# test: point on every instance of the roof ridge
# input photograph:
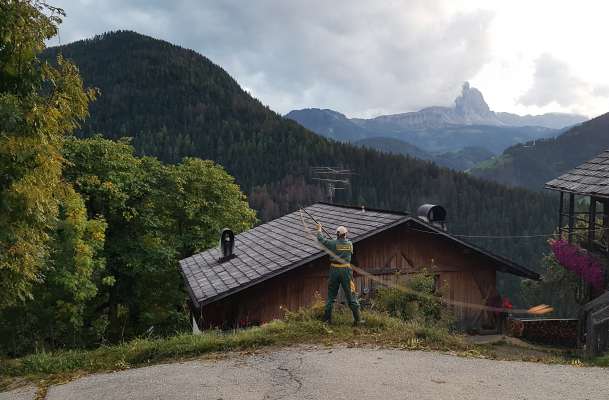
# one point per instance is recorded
(360, 207)
(590, 178)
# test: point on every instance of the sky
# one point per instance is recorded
(368, 58)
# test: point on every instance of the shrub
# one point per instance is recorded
(416, 300)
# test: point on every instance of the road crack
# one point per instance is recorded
(286, 380)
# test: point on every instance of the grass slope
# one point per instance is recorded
(302, 327)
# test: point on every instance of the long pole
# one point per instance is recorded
(314, 220)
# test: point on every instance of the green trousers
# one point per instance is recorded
(341, 277)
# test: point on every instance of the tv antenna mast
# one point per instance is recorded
(334, 178)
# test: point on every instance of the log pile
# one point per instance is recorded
(553, 332)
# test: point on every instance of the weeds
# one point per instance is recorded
(427, 328)
(302, 326)
(421, 302)
(600, 361)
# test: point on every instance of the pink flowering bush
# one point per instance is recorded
(579, 261)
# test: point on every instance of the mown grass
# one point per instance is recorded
(302, 327)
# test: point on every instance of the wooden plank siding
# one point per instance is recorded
(391, 255)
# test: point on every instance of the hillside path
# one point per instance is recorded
(340, 373)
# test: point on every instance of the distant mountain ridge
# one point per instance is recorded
(470, 108)
(329, 123)
(470, 122)
(548, 120)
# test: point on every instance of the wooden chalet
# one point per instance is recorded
(583, 217)
(591, 182)
(275, 266)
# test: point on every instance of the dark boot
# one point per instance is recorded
(327, 318)
(357, 318)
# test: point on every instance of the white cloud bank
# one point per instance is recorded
(555, 82)
(365, 58)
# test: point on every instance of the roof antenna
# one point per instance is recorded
(334, 178)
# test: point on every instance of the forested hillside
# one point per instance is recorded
(177, 103)
(532, 164)
(394, 146)
(460, 160)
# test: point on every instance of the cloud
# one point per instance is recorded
(601, 91)
(358, 57)
(555, 82)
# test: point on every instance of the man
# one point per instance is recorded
(341, 273)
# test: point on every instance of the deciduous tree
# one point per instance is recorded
(39, 106)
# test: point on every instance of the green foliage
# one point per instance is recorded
(419, 301)
(56, 315)
(156, 215)
(39, 106)
(558, 287)
(198, 199)
(151, 215)
(24, 27)
(61, 284)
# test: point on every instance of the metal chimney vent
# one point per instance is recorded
(433, 214)
(227, 244)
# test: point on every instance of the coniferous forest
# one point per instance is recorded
(176, 103)
(92, 226)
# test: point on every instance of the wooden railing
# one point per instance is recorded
(595, 323)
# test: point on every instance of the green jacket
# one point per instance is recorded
(343, 248)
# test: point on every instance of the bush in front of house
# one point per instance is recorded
(416, 299)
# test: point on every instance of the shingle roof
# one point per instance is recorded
(591, 178)
(275, 247)
(280, 245)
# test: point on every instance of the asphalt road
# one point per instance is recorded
(341, 373)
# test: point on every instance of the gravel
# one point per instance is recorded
(25, 393)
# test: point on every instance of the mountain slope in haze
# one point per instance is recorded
(175, 103)
(442, 129)
(532, 164)
(329, 123)
(464, 159)
(548, 120)
(461, 160)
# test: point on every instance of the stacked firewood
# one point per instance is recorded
(554, 332)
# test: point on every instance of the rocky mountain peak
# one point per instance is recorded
(471, 105)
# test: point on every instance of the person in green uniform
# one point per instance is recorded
(341, 273)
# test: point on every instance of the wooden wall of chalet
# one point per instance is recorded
(463, 276)
(269, 299)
